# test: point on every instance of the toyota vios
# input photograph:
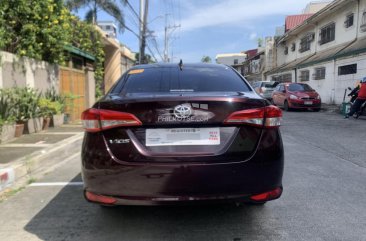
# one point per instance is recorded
(168, 133)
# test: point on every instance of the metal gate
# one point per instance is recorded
(72, 84)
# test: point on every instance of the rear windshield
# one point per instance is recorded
(268, 84)
(299, 87)
(190, 79)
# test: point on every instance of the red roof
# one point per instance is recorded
(293, 21)
(250, 53)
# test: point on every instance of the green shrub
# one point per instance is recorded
(7, 108)
(49, 107)
(26, 100)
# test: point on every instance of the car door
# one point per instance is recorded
(276, 94)
(281, 95)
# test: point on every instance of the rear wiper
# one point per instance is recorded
(240, 93)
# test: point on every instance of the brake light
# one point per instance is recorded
(95, 120)
(269, 116)
(99, 198)
(266, 196)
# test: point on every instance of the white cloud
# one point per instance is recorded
(232, 12)
(253, 36)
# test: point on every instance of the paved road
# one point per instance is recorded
(324, 198)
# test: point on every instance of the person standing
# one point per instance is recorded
(360, 99)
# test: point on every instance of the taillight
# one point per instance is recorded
(95, 120)
(266, 196)
(99, 198)
(269, 116)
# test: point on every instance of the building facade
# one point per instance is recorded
(327, 51)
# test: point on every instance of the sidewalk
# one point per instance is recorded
(29, 156)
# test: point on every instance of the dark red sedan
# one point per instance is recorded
(296, 96)
(168, 133)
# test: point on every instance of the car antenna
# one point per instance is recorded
(180, 65)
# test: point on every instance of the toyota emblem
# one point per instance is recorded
(182, 111)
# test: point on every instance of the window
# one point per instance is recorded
(305, 75)
(293, 47)
(107, 27)
(236, 61)
(327, 34)
(347, 69)
(299, 87)
(305, 42)
(349, 20)
(191, 79)
(286, 50)
(319, 73)
(363, 23)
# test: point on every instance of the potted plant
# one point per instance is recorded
(46, 112)
(27, 110)
(7, 119)
(58, 102)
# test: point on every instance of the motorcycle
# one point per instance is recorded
(354, 94)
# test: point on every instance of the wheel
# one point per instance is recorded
(316, 109)
(285, 106)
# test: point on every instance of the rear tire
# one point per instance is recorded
(285, 106)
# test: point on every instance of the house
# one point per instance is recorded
(109, 28)
(231, 59)
(327, 51)
(118, 59)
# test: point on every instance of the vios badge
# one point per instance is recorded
(182, 111)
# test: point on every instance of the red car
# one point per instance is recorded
(296, 96)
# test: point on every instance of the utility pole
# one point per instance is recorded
(144, 4)
(166, 38)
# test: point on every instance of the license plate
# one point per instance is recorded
(308, 102)
(182, 136)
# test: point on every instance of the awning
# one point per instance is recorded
(356, 48)
(79, 52)
(289, 66)
(324, 56)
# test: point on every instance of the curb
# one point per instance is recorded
(19, 172)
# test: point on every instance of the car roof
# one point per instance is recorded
(175, 65)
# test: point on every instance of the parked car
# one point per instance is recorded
(169, 134)
(265, 88)
(296, 96)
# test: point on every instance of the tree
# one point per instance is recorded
(108, 6)
(148, 58)
(206, 59)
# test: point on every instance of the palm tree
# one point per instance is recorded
(108, 6)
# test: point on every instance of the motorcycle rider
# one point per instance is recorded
(360, 99)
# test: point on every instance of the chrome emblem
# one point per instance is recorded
(182, 111)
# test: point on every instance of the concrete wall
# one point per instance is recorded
(229, 60)
(22, 72)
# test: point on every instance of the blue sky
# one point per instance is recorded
(208, 27)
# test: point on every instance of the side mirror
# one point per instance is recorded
(283, 91)
(349, 88)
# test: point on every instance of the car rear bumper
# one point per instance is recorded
(301, 105)
(171, 183)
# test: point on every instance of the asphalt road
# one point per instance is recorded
(324, 198)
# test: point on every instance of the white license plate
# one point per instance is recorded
(308, 102)
(182, 136)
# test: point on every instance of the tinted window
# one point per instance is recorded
(299, 87)
(190, 79)
(268, 84)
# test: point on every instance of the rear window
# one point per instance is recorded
(268, 84)
(190, 79)
(299, 87)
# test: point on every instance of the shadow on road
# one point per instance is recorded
(69, 217)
